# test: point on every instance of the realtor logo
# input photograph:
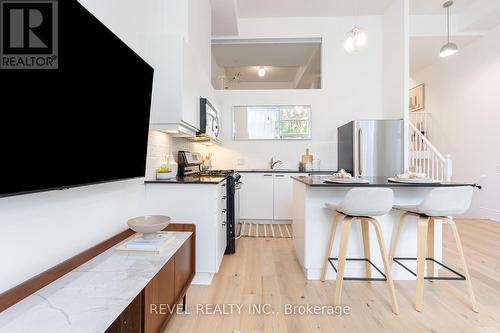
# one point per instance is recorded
(28, 34)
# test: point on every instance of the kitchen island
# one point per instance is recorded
(312, 223)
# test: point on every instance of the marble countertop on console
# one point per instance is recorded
(92, 296)
(310, 172)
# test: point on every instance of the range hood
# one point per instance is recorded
(181, 130)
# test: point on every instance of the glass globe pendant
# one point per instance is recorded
(355, 40)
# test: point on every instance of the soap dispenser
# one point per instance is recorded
(172, 165)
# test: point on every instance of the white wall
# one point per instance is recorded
(395, 58)
(352, 89)
(128, 19)
(41, 230)
(462, 93)
(395, 63)
(217, 74)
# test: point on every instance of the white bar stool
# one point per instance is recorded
(440, 204)
(360, 204)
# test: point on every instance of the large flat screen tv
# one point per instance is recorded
(84, 122)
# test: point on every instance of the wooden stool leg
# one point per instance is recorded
(344, 240)
(366, 245)
(395, 238)
(421, 248)
(430, 247)
(460, 249)
(387, 267)
(329, 247)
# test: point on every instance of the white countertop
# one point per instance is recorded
(91, 297)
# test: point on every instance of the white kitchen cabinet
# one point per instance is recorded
(201, 204)
(222, 221)
(267, 196)
(283, 196)
(256, 196)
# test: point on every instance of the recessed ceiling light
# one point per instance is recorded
(261, 72)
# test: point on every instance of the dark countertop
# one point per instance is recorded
(188, 180)
(318, 181)
(310, 172)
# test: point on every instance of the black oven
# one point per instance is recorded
(233, 186)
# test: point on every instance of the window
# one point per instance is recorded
(294, 122)
(276, 122)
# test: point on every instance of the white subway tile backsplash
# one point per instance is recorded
(161, 144)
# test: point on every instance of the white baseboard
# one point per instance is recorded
(484, 213)
(203, 279)
(491, 214)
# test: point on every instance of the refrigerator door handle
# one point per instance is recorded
(360, 151)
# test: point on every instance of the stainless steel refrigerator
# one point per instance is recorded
(371, 148)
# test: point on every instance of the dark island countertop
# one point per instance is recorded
(319, 181)
(189, 180)
(310, 172)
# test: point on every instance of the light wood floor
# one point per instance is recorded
(266, 271)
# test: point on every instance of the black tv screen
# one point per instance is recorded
(83, 121)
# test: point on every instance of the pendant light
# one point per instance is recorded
(355, 38)
(449, 48)
(261, 72)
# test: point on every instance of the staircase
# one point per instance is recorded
(424, 157)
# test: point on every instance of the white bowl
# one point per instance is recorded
(165, 175)
(148, 225)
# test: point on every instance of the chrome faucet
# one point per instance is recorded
(274, 163)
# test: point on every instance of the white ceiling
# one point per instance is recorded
(300, 8)
(435, 7)
(424, 48)
(263, 54)
(424, 51)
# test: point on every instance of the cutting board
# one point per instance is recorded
(307, 158)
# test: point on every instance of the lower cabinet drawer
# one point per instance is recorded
(157, 294)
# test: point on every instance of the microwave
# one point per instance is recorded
(209, 121)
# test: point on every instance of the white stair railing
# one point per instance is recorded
(425, 158)
(423, 122)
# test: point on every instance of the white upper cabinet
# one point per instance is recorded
(179, 81)
(180, 56)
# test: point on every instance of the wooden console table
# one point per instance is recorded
(100, 290)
